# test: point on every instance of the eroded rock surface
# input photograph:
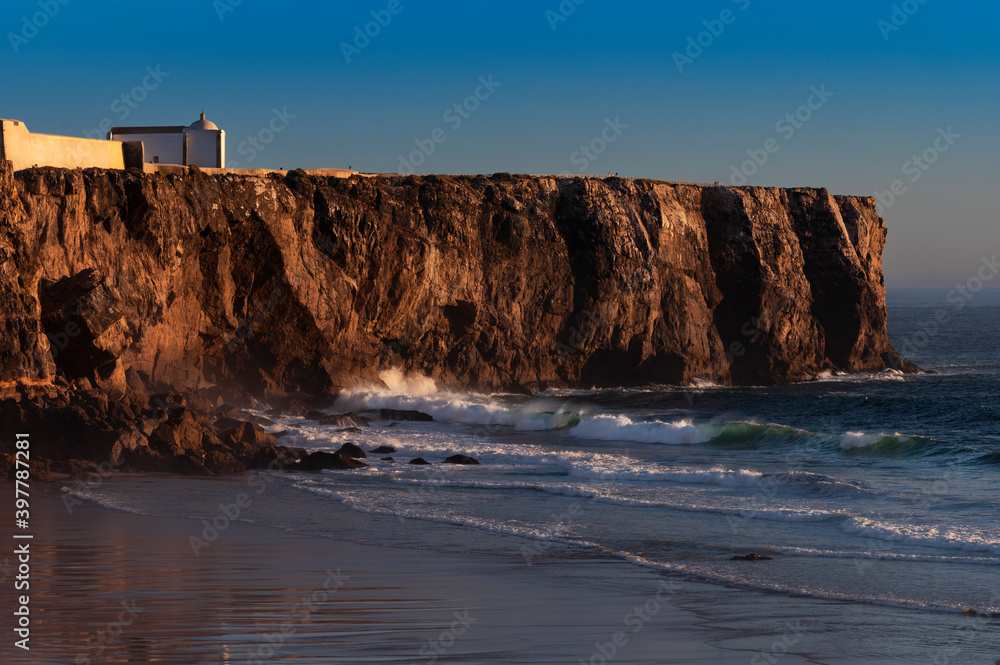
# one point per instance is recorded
(306, 284)
(121, 293)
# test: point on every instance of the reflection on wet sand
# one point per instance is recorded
(115, 587)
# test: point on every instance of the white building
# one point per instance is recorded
(200, 144)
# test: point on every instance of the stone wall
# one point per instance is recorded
(25, 150)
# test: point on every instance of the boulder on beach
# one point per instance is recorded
(222, 462)
(246, 439)
(321, 460)
(351, 450)
(395, 414)
(461, 459)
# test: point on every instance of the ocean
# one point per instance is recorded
(873, 498)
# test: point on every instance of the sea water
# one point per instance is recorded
(874, 497)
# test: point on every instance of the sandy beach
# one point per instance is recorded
(115, 587)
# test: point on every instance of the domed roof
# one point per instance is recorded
(202, 123)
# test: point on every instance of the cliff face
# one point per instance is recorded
(306, 283)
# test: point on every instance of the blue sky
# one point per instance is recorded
(562, 75)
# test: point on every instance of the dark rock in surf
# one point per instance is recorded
(352, 450)
(415, 416)
(461, 459)
(418, 460)
(321, 461)
(383, 450)
(276, 458)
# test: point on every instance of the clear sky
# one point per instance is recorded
(685, 90)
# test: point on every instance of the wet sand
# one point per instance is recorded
(116, 587)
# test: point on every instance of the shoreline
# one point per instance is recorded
(402, 605)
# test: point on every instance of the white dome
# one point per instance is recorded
(202, 123)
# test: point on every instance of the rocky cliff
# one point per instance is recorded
(303, 284)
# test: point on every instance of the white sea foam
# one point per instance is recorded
(102, 499)
(885, 556)
(436, 441)
(535, 415)
(693, 573)
(622, 428)
(828, 376)
(407, 384)
(562, 533)
(454, 408)
(612, 496)
(411, 509)
(967, 538)
(853, 440)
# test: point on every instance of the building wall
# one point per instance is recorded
(206, 147)
(168, 147)
(25, 150)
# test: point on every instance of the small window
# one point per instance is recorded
(156, 159)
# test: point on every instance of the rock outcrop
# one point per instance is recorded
(304, 284)
(84, 432)
(136, 306)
